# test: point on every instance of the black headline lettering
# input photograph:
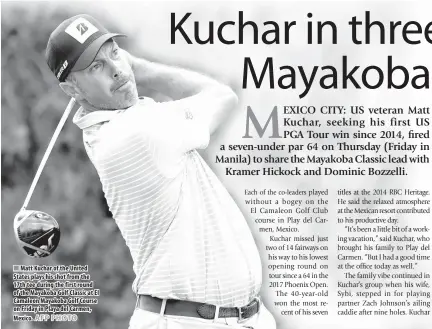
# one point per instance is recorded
(370, 77)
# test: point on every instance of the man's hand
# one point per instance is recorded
(210, 98)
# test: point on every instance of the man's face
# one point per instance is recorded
(108, 83)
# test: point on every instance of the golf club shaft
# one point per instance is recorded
(48, 151)
(35, 248)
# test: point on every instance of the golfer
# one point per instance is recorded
(195, 259)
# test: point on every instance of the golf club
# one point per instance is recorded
(38, 233)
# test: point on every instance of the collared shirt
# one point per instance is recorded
(187, 237)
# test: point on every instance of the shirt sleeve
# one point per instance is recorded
(188, 125)
(90, 138)
(195, 132)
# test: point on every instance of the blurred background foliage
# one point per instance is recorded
(69, 189)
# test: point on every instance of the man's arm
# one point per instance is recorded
(212, 98)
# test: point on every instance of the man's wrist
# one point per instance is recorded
(139, 67)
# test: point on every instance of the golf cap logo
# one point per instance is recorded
(63, 67)
(81, 29)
